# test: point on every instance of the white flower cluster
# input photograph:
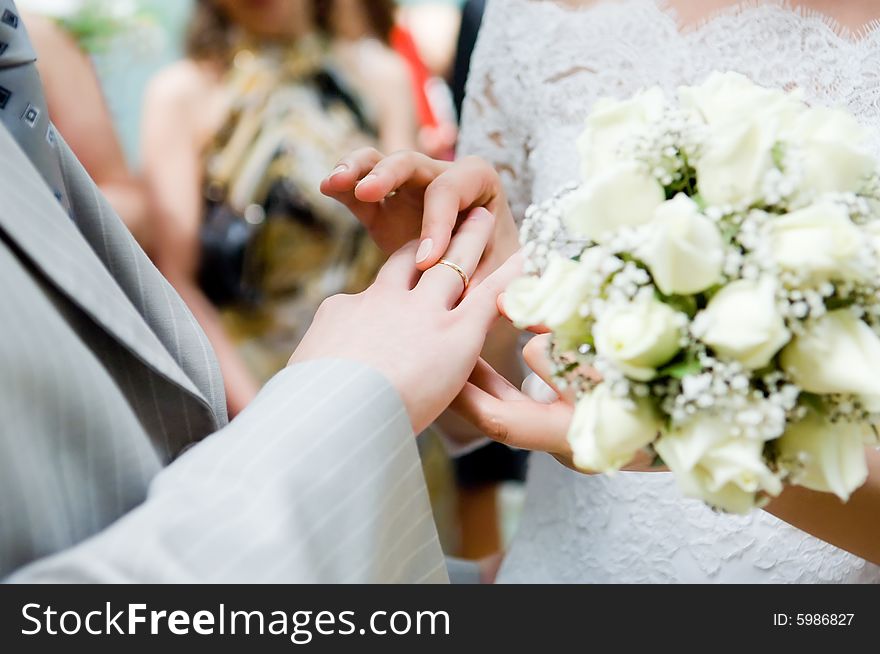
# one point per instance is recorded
(713, 289)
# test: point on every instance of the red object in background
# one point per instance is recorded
(403, 43)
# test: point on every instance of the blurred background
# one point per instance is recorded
(130, 40)
(209, 125)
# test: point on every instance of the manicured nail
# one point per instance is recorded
(341, 168)
(424, 250)
(480, 212)
(368, 178)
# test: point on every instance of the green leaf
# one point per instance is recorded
(687, 304)
(729, 232)
(778, 154)
(835, 303)
(812, 401)
(681, 368)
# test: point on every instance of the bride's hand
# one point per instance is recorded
(509, 416)
(407, 195)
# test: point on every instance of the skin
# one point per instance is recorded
(427, 199)
(435, 27)
(184, 107)
(494, 405)
(416, 326)
(79, 112)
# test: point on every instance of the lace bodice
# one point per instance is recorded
(538, 68)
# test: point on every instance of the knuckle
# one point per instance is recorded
(496, 429)
(479, 164)
(442, 185)
(332, 304)
(474, 160)
(395, 163)
(403, 155)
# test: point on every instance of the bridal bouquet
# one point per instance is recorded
(719, 268)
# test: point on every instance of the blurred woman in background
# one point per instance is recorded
(236, 140)
(369, 24)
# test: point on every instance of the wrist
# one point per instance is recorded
(358, 365)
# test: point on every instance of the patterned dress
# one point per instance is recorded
(273, 247)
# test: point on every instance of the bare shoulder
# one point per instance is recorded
(183, 99)
(181, 83)
(378, 64)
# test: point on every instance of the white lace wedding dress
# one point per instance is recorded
(538, 67)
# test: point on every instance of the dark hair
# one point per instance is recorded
(209, 35)
(379, 14)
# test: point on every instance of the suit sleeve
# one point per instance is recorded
(319, 480)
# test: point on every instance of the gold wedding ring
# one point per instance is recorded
(461, 273)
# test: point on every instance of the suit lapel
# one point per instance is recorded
(34, 220)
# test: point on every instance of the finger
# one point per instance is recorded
(471, 182)
(536, 354)
(484, 376)
(523, 423)
(349, 170)
(396, 171)
(400, 271)
(535, 329)
(465, 251)
(482, 301)
(537, 389)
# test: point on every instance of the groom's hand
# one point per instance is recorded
(419, 329)
(407, 196)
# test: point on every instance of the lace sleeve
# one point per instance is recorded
(494, 124)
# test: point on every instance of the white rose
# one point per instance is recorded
(551, 299)
(710, 463)
(736, 160)
(742, 322)
(623, 196)
(819, 241)
(684, 250)
(824, 456)
(610, 123)
(730, 97)
(744, 127)
(606, 431)
(638, 336)
(838, 353)
(831, 146)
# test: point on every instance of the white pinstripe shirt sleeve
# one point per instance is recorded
(317, 481)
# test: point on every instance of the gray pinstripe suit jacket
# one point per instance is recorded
(105, 379)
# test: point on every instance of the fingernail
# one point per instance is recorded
(480, 212)
(368, 178)
(424, 250)
(341, 168)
